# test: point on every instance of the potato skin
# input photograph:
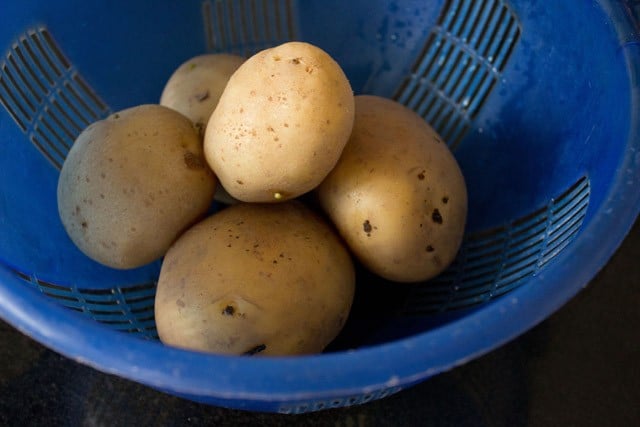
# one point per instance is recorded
(131, 183)
(194, 90)
(397, 195)
(195, 86)
(253, 275)
(281, 123)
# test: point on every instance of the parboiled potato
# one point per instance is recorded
(397, 195)
(194, 89)
(272, 279)
(195, 86)
(131, 183)
(281, 123)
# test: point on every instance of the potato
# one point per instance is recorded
(281, 123)
(194, 89)
(272, 279)
(397, 195)
(131, 183)
(195, 86)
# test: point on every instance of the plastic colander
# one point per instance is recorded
(539, 102)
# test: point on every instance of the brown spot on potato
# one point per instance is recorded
(436, 216)
(229, 310)
(366, 227)
(421, 175)
(295, 61)
(239, 182)
(445, 200)
(255, 350)
(199, 126)
(430, 248)
(193, 161)
(84, 224)
(203, 96)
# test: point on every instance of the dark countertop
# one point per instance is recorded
(580, 367)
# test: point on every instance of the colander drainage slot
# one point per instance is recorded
(46, 96)
(460, 64)
(126, 309)
(245, 27)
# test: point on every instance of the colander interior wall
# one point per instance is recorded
(536, 102)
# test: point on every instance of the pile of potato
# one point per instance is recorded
(267, 274)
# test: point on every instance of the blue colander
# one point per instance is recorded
(538, 101)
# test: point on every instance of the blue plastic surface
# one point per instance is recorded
(539, 102)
